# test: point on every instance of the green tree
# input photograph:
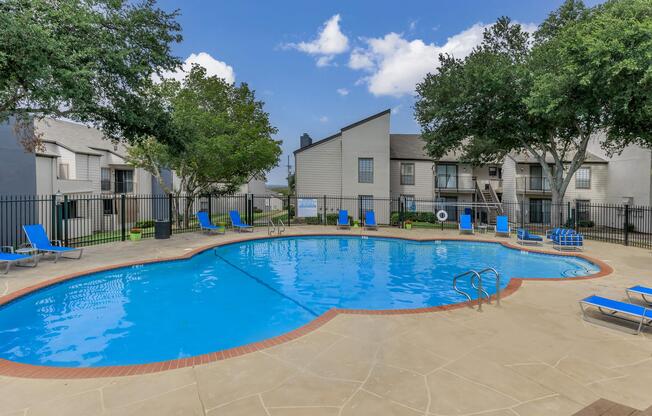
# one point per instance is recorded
(226, 136)
(585, 71)
(87, 60)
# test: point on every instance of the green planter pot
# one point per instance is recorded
(135, 236)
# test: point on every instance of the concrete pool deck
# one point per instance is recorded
(534, 355)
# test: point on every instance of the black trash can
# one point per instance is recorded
(162, 229)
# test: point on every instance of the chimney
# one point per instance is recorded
(305, 140)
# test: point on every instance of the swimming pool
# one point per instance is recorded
(246, 292)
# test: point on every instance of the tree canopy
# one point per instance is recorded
(226, 136)
(585, 71)
(87, 60)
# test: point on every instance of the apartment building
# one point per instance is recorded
(365, 161)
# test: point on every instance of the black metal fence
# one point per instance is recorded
(88, 219)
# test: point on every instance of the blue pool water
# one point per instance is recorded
(245, 292)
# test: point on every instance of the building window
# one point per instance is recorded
(124, 181)
(540, 211)
(407, 173)
(366, 204)
(108, 206)
(64, 171)
(71, 210)
(365, 170)
(583, 210)
(447, 176)
(106, 179)
(583, 178)
(495, 171)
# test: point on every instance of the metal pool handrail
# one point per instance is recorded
(492, 270)
(477, 276)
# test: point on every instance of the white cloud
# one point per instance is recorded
(323, 119)
(326, 60)
(342, 91)
(361, 59)
(397, 64)
(212, 65)
(329, 42)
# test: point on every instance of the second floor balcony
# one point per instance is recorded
(532, 184)
(455, 183)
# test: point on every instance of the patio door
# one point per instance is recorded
(447, 176)
(540, 210)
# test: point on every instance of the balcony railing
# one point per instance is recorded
(455, 183)
(535, 184)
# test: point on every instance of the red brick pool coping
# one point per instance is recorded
(15, 369)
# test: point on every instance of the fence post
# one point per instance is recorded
(170, 202)
(324, 219)
(210, 205)
(251, 209)
(123, 219)
(401, 212)
(626, 225)
(575, 214)
(289, 210)
(523, 212)
(568, 214)
(55, 219)
(65, 220)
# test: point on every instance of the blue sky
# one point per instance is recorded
(319, 66)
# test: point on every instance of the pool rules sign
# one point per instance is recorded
(306, 207)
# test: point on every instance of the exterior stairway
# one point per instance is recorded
(487, 196)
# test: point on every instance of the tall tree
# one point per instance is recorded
(226, 136)
(86, 60)
(586, 70)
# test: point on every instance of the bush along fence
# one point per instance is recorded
(88, 219)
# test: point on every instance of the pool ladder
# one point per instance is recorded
(476, 283)
(275, 228)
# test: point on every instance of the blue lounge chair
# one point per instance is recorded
(8, 256)
(641, 291)
(370, 221)
(633, 313)
(237, 222)
(39, 240)
(523, 236)
(343, 219)
(570, 241)
(206, 225)
(550, 234)
(502, 226)
(466, 226)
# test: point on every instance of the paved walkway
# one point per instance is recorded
(532, 356)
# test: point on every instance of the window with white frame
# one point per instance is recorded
(64, 171)
(407, 173)
(105, 179)
(583, 178)
(365, 170)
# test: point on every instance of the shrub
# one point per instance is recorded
(420, 216)
(331, 219)
(257, 210)
(313, 220)
(630, 228)
(586, 224)
(144, 224)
